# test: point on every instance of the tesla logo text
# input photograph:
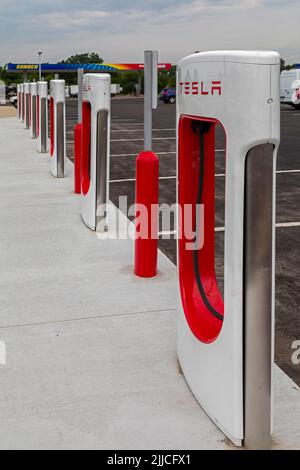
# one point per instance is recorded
(200, 88)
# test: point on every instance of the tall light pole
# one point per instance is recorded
(150, 94)
(40, 66)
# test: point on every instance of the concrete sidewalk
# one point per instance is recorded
(91, 349)
(7, 111)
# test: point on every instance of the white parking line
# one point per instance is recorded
(124, 121)
(134, 140)
(278, 225)
(221, 175)
(128, 123)
(157, 153)
(288, 224)
(166, 233)
(140, 130)
(288, 171)
(222, 229)
(135, 154)
(128, 180)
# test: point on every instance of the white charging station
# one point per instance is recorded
(33, 110)
(42, 117)
(26, 105)
(95, 150)
(225, 343)
(57, 128)
(19, 101)
(22, 107)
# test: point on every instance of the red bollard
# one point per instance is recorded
(37, 116)
(146, 199)
(77, 157)
(51, 127)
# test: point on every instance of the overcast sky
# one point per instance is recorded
(120, 30)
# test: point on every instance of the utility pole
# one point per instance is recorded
(40, 66)
(150, 94)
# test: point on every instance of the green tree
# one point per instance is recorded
(127, 81)
(10, 78)
(86, 58)
(167, 78)
(284, 66)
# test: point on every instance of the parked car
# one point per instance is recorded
(168, 95)
(74, 90)
(14, 100)
(115, 89)
(290, 87)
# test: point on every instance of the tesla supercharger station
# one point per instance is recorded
(225, 343)
(42, 117)
(26, 105)
(95, 150)
(19, 100)
(57, 128)
(22, 102)
(33, 110)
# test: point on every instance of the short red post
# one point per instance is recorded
(77, 158)
(146, 198)
(51, 126)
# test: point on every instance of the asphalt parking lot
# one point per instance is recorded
(127, 142)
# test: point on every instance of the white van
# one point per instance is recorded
(290, 87)
(74, 90)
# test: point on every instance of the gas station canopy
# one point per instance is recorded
(68, 68)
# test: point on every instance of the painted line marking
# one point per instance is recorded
(174, 176)
(136, 154)
(222, 229)
(166, 233)
(135, 140)
(277, 225)
(158, 153)
(140, 130)
(221, 175)
(128, 180)
(288, 171)
(288, 224)
(127, 124)
(125, 120)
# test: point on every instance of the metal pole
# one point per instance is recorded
(258, 296)
(148, 100)
(40, 66)
(79, 99)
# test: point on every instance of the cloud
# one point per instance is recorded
(120, 30)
